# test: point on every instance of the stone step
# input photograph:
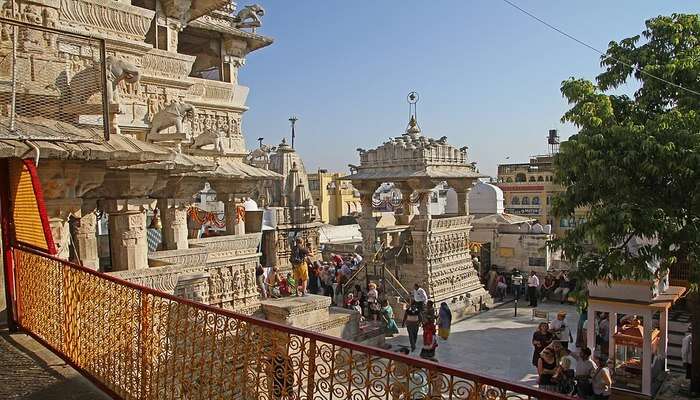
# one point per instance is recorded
(297, 311)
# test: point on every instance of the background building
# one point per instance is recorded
(337, 200)
(528, 189)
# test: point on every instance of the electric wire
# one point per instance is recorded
(581, 42)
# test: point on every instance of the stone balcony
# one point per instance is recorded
(106, 19)
(228, 248)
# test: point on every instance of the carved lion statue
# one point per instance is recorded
(249, 16)
(263, 152)
(172, 115)
(209, 137)
(89, 81)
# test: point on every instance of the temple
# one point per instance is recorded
(129, 108)
(430, 250)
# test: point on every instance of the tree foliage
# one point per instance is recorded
(635, 162)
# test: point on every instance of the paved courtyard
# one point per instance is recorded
(495, 342)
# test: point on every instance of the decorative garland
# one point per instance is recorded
(201, 217)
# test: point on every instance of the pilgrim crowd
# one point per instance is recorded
(563, 364)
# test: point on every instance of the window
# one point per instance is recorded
(532, 179)
(525, 201)
(515, 200)
(520, 177)
(535, 201)
(509, 179)
(549, 200)
(537, 261)
(540, 179)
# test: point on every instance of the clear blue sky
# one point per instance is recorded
(488, 75)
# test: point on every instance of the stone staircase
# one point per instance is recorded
(315, 313)
(678, 321)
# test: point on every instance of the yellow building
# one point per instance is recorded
(528, 189)
(337, 200)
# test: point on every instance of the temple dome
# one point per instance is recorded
(485, 198)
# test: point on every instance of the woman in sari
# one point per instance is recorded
(444, 321)
(390, 327)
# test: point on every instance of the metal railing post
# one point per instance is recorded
(14, 80)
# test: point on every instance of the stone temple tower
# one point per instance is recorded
(432, 250)
(291, 210)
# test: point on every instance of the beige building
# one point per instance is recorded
(528, 189)
(336, 198)
(506, 241)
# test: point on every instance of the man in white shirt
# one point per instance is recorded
(419, 296)
(561, 330)
(533, 282)
(687, 353)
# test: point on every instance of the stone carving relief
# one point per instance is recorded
(34, 13)
(87, 82)
(111, 17)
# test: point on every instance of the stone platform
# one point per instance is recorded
(315, 313)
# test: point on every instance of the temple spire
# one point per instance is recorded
(413, 129)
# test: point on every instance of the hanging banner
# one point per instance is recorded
(31, 225)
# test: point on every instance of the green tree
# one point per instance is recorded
(635, 162)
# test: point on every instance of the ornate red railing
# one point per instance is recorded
(138, 343)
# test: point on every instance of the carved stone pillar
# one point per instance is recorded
(462, 187)
(367, 221)
(173, 218)
(235, 217)
(86, 240)
(59, 212)
(127, 235)
(424, 204)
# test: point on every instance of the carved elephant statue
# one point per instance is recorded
(172, 115)
(209, 137)
(263, 152)
(89, 81)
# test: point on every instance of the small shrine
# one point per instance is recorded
(431, 250)
(637, 312)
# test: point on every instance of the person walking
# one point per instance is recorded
(444, 321)
(533, 282)
(561, 330)
(430, 342)
(602, 380)
(687, 353)
(562, 288)
(420, 297)
(299, 257)
(517, 283)
(540, 340)
(372, 301)
(411, 321)
(390, 328)
(501, 287)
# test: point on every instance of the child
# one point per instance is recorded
(284, 286)
(292, 285)
(430, 342)
(273, 283)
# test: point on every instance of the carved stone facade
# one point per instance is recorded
(437, 245)
(139, 115)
